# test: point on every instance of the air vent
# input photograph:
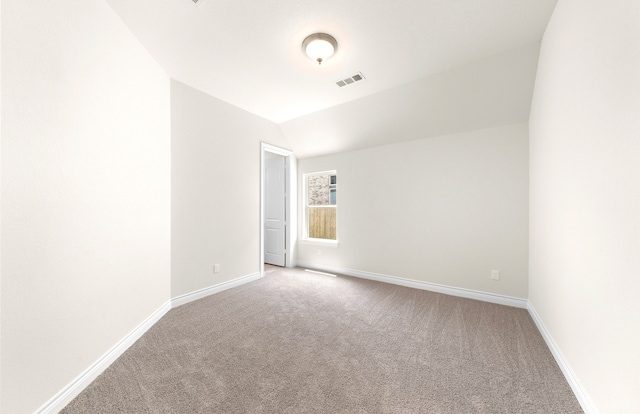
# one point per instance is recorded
(350, 80)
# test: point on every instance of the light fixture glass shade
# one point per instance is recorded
(319, 46)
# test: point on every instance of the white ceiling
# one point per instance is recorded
(432, 67)
(248, 53)
(487, 93)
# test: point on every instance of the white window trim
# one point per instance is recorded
(305, 212)
(320, 242)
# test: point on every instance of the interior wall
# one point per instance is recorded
(585, 196)
(215, 212)
(443, 210)
(0, 210)
(85, 192)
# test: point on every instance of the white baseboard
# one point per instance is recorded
(583, 398)
(199, 294)
(68, 393)
(433, 287)
(60, 400)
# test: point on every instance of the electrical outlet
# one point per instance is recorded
(495, 275)
(216, 268)
(319, 252)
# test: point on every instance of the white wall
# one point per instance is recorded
(443, 210)
(215, 211)
(85, 192)
(0, 212)
(585, 196)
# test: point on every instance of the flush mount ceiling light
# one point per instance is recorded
(319, 46)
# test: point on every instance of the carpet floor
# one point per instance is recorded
(299, 342)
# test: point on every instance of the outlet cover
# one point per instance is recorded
(216, 268)
(495, 275)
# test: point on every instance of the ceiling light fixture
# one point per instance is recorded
(319, 46)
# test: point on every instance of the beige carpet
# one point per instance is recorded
(297, 342)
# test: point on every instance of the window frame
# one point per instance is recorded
(305, 210)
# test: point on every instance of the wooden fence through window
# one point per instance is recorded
(322, 223)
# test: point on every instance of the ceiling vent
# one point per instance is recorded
(350, 80)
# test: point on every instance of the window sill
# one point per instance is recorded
(320, 242)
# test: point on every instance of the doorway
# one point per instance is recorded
(277, 207)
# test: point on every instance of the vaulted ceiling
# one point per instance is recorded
(249, 54)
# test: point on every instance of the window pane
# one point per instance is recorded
(322, 223)
(318, 186)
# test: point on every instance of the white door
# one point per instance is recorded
(275, 213)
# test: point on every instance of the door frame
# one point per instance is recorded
(291, 220)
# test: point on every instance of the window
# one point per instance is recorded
(321, 191)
